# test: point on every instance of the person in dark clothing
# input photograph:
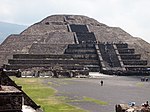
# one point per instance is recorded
(18, 74)
(102, 83)
(146, 104)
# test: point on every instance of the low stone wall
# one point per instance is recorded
(80, 51)
(76, 46)
(126, 51)
(53, 61)
(135, 62)
(85, 56)
(10, 101)
(41, 56)
(130, 56)
(6, 81)
(122, 45)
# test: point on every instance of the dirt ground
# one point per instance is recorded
(116, 90)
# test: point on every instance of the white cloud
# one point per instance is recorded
(131, 15)
(5, 11)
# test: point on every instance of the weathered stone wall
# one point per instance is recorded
(41, 56)
(133, 56)
(137, 62)
(6, 81)
(83, 56)
(53, 18)
(141, 47)
(40, 29)
(20, 43)
(120, 34)
(54, 61)
(11, 101)
(17, 44)
(79, 19)
(47, 48)
(60, 38)
(4, 56)
(104, 34)
(87, 51)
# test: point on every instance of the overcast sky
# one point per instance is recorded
(133, 16)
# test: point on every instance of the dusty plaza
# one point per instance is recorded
(116, 90)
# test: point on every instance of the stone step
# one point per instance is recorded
(64, 66)
(137, 68)
(25, 66)
(76, 46)
(50, 56)
(121, 45)
(86, 37)
(126, 51)
(80, 51)
(135, 62)
(41, 56)
(85, 56)
(130, 56)
(78, 28)
(53, 61)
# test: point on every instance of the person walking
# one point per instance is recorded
(102, 83)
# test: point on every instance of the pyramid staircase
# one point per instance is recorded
(132, 61)
(75, 57)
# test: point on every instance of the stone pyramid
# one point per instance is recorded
(73, 42)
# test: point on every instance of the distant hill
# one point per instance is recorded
(9, 28)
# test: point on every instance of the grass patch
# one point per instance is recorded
(95, 101)
(44, 95)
